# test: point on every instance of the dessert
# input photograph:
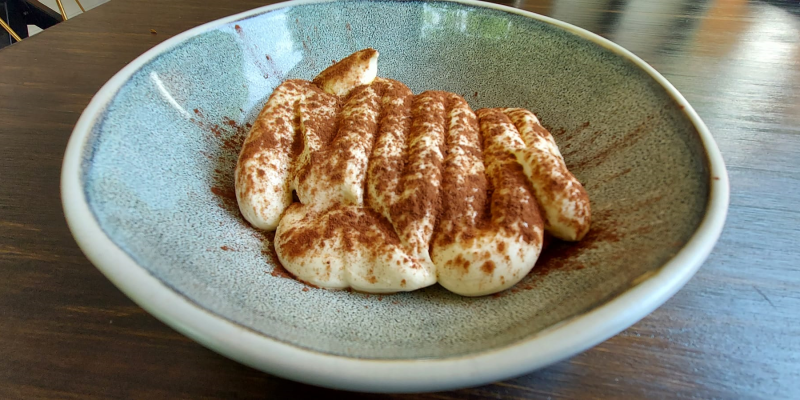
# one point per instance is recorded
(395, 192)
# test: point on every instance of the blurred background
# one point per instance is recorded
(70, 6)
(28, 17)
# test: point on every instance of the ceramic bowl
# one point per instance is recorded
(148, 180)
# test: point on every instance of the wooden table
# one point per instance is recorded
(732, 332)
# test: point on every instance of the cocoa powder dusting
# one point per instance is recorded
(298, 141)
(268, 250)
(227, 138)
(359, 228)
(383, 173)
(280, 272)
(225, 193)
(488, 267)
(464, 191)
(423, 169)
(558, 255)
(583, 153)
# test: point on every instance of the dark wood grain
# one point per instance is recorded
(732, 332)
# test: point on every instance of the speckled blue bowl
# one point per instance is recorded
(147, 183)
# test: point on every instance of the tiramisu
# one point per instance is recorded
(395, 191)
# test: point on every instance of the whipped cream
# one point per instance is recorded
(492, 252)
(263, 184)
(346, 246)
(561, 195)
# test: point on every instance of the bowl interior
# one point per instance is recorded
(158, 169)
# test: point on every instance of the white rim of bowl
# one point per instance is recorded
(406, 375)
